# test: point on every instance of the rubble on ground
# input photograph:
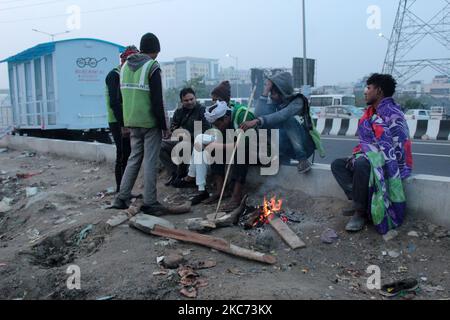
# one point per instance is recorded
(62, 222)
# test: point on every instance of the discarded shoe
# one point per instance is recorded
(397, 288)
(304, 166)
(199, 198)
(356, 224)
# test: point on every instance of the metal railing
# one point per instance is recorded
(6, 117)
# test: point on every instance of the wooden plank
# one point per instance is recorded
(287, 234)
(212, 242)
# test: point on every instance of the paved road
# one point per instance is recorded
(431, 158)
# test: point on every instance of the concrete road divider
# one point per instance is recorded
(431, 129)
(427, 196)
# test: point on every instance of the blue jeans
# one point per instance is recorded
(295, 141)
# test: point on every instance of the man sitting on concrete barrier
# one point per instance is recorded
(184, 118)
(372, 176)
(287, 112)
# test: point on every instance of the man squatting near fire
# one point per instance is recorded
(226, 117)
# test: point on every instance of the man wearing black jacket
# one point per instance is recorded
(184, 118)
(121, 135)
(144, 115)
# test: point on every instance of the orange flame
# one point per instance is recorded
(269, 210)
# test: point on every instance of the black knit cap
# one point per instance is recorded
(150, 43)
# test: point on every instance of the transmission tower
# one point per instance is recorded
(409, 30)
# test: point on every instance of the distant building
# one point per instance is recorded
(413, 89)
(177, 72)
(337, 89)
(439, 88)
(241, 76)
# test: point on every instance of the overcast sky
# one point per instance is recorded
(262, 33)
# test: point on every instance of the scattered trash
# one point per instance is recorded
(159, 259)
(106, 298)
(391, 235)
(384, 253)
(187, 252)
(3, 264)
(160, 273)
(402, 269)
(172, 261)
(191, 282)
(411, 248)
(189, 293)
(204, 264)
(91, 170)
(84, 233)
(3, 173)
(329, 236)
(27, 154)
(431, 289)
(394, 254)
(33, 234)
(399, 287)
(235, 271)
(166, 243)
(5, 205)
(432, 228)
(424, 279)
(60, 221)
(414, 234)
(27, 175)
(31, 192)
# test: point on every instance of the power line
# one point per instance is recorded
(31, 5)
(90, 11)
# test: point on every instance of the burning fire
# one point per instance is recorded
(269, 210)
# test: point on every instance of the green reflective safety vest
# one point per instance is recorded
(137, 105)
(111, 117)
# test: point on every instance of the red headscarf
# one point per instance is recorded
(130, 50)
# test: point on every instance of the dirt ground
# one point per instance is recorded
(40, 239)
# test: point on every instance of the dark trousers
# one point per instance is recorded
(166, 159)
(238, 171)
(123, 147)
(354, 181)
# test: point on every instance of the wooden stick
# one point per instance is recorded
(287, 234)
(250, 102)
(214, 243)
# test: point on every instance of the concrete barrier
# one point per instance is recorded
(428, 196)
(71, 149)
(434, 129)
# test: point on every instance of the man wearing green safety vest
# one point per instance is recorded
(115, 117)
(144, 115)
